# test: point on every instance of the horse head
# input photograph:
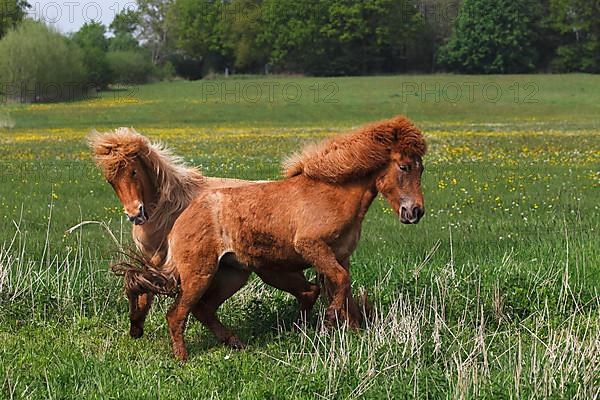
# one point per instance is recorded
(400, 184)
(123, 158)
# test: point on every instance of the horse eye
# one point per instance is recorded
(404, 168)
(133, 173)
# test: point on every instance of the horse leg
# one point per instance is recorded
(329, 288)
(353, 308)
(225, 283)
(139, 306)
(320, 255)
(296, 284)
(195, 281)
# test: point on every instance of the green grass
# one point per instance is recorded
(493, 295)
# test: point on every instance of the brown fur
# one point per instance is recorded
(313, 217)
(357, 153)
(142, 277)
(178, 183)
(172, 187)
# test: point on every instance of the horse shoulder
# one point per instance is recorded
(196, 222)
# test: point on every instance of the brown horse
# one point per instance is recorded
(155, 187)
(312, 217)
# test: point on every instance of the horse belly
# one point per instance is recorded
(345, 245)
(265, 252)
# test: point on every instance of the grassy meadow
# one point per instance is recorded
(493, 295)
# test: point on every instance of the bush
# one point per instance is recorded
(90, 38)
(39, 64)
(129, 66)
(99, 74)
(165, 72)
(491, 37)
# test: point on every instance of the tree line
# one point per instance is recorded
(193, 38)
(351, 37)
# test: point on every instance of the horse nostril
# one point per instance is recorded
(417, 212)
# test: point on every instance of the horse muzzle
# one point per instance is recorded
(140, 218)
(411, 215)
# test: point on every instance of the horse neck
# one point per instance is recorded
(369, 187)
(152, 236)
(361, 192)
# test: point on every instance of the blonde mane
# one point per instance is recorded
(177, 183)
(357, 153)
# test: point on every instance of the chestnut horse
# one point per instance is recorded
(312, 217)
(155, 187)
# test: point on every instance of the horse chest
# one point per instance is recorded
(151, 243)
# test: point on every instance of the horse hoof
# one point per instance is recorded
(333, 318)
(182, 356)
(235, 343)
(354, 325)
(136, 332)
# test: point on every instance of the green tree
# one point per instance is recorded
(39, 64)
(124, 27)
(374, 35)
(198, 33)
(154, 29)
(439, 18)
(131, 62)
(577, 23)
(92, 40)
(123, 42)
(126, 21)
(491, 36)
(11, 13)
(291, 34)
(242, 22)
(341, 37)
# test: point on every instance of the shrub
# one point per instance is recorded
(164, 72)
(129, 66)
(39, 64)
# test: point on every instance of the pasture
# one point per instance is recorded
(494, 294)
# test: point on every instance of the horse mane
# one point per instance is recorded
(357, 153)
(177, 183)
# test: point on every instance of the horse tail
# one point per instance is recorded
(142, 276)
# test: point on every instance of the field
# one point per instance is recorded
(493, 295)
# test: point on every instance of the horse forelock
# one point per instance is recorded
(177, 183)
(357, 153)
(115, 149)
